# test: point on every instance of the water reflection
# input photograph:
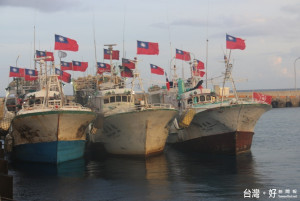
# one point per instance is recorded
(74, 168)
(214, 175)
(171, 176)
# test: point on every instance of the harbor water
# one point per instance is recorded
(271, 171)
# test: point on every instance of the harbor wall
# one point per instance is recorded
(280, 98)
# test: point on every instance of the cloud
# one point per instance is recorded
(43, 6)
(292, 9)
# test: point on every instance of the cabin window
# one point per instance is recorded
(208, 97)
(190, 101)
(106, 100)
(118, 98)
(124, 98)
(202, 98)
(112, 99)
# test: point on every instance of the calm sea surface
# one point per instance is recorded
(272, 168)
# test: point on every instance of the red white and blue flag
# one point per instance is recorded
(198, 67)
(183, 55)
(79, 66)
(64, 43)
(156, 70)
(129, 64)
(148, 48)
(167, 82)
(64, 76)
(234, 43)
(114, 54)
(103, 67)
(45, 54)
(66, 65)
(16, 72)
(30, 74)
(126, 72)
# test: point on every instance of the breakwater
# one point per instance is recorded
(280, 97)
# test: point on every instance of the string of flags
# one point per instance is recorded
(143, 48)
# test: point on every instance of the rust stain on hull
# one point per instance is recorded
(225, 143)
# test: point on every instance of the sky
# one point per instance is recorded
(271, 30)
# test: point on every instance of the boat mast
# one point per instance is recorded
(94, 33)
(228, 76)
(110, 49)
(136, 75)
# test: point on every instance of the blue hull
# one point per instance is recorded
(50, 152)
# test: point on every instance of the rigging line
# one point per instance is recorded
(124, 20)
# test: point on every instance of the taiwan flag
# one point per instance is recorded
(197, 67)
(45, 54)
(63, 43)
(235, 43)
(64, 76)
(103, 67)
(182, 55)
(199, 64)
(167, 82)
(66, 65)
(79, 66)
(30, 74)
(147, 48)
(16, 72)
(58, 72)
(129, 64)
(114, 53)
(259, 97)
(156, 70)
(126, 72)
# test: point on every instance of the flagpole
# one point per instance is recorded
(206, 63)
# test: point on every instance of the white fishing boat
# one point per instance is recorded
(130, 125)
(49, 128)
(126, 124)
(209, 122)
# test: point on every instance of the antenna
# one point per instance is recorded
(206, 62)
(34, 50)
(124, 31)
(94, 39)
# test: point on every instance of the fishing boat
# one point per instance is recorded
(49, 128)
(210, 121)
(126, 124)
(130, 125)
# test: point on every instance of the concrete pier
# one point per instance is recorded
(6, 181)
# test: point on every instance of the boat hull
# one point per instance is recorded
(225, 129)
(137, 133)
(50, 152)
(50, 136)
